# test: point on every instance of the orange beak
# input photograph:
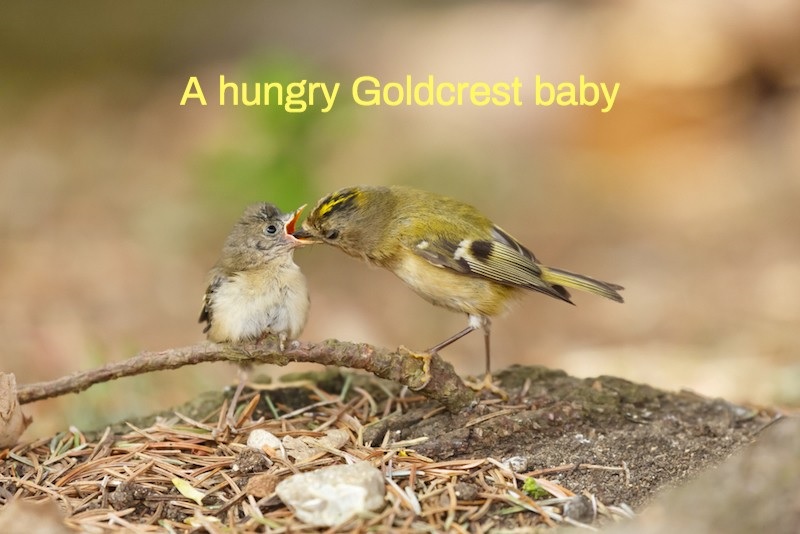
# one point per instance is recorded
(290, 226)
(293, 221)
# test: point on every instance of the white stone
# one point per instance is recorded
(259, 438)
(304, 447)
(331, 495)
(517, 464)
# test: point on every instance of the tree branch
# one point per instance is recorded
(426, 373)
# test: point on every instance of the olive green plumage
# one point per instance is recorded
(444, 249)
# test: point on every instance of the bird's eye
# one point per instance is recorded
(271, 229)
(332, 234)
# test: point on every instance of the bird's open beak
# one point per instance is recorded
(303, 236)
(290, 225)
(293, 221)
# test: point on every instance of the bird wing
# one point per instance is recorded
(499, 258)
(206, 313)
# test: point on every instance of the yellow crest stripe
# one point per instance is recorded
(336, 201)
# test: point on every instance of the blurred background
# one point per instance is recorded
(115, 200)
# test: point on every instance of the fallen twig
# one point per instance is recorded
(429, 374)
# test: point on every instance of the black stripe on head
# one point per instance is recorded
(337, 202)
(481, 249)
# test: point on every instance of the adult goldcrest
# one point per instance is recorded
(446, 250)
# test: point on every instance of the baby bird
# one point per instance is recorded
(256, 289)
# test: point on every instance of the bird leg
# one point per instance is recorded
(282, 337)
(487, 384)
(487, 346)
(452, 339)
(475, 322)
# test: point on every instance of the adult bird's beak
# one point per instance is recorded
(304, 236)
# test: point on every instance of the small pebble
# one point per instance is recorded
(579, 508)
(251, 461)
(466, 491)
(517, 464)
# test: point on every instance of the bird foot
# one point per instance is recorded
(487, 384)
(426, 368)
(261, 340)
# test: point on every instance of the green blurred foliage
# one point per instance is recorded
(275, 159)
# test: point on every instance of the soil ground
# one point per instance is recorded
(609, 440)
(552, 420)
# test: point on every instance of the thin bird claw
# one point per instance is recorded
(487, 384)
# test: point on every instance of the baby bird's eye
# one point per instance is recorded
(271, 229)
(332, 234)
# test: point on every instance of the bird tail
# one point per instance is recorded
(564, 279)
